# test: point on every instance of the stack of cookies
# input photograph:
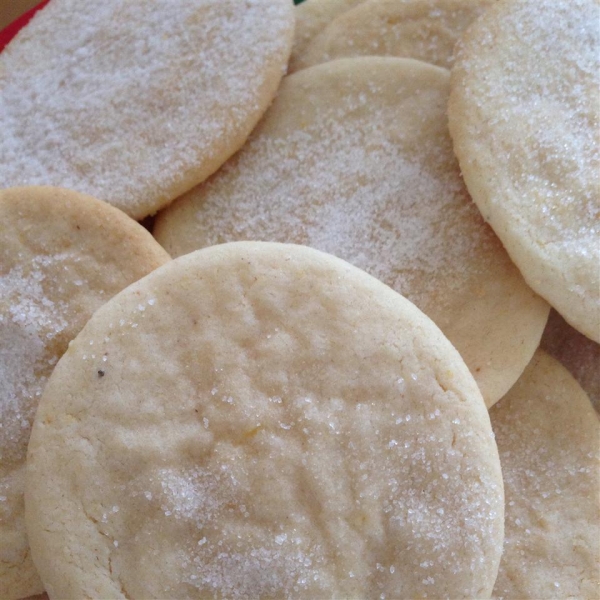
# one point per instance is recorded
(319, 374)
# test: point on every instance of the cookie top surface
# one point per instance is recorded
(525, 131)
(426, 30)
(579, 354)
(354, 158)
(548, 437)
(135, 102)
(312, 16)
(62, 255)
(270, 422)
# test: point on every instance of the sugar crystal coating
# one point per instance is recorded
(29, 322)
(426, 30)
(62, 255)
(354, 158)
(548, 434)
(136, 102)
(253, 456)
(525, 130)
(312, 16)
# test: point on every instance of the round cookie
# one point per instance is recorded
(548, 434)
(271, 422)
(354, 158)
(426, 30)
(62, 255)
(312, 16)
(524, 120)
(576, 352)
(137, 101)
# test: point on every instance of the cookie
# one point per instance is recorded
(62, 255)
(576, 352)
(135, 102)
(547, 434)
(271, 422)
(312, 16)
(426, 30)
(524, 120)
(354, 158)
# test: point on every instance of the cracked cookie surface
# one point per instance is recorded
(354, 158)
(62, 255)
(269, 422)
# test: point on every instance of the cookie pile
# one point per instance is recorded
(283, 392)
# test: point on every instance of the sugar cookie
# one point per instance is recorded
(354, 158)
(62, 255)
(312, 16)
(271, 423)
(548, 434)
(137, 101)
(423, 29)
(524, 120)
(576, 352)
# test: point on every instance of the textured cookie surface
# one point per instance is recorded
(548, 437)
(426, 30)
(579, 354)
(312, 16)
(354, 158)
(62, 255)
(270, 422)
(524, 120)
(135, 102)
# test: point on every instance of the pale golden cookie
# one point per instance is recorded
(62, 255)
(524, 118)
(548, 436)
(271, 422)
(354, 158)
(426, 30)
(312, 16)
(137, 101)
(579, 354)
